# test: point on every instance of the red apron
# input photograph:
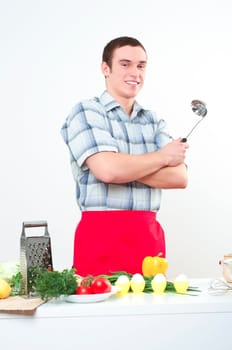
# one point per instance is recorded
(110, 241)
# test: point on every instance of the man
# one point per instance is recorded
(121, 158)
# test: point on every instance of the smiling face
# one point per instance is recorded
(125, 77)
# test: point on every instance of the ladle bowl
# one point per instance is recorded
(199, 108)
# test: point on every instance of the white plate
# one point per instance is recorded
(90, 298)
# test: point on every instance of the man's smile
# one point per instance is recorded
(132, 82)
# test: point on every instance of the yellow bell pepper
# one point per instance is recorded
(152, 265)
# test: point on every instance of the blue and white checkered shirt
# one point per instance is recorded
(100, 124)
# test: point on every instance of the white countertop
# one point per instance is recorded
(138, 304)
(138, 322)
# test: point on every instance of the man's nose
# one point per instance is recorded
(134, 70)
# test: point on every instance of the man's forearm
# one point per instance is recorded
(113, 167)
(167, 178)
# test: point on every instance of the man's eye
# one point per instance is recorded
(124, 64)
(141, 66)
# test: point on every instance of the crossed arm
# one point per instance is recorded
(161, 169)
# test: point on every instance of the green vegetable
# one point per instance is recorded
(46, 284)
(52, 284)
(8, 269)
(16, 283)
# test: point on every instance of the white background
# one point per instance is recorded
(50, 54)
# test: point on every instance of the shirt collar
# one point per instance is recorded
(110, 103)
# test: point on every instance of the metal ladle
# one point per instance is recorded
(199, 108)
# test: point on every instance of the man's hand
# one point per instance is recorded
(174, 152)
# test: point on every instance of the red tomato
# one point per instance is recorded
(101, 285)
(83, 290)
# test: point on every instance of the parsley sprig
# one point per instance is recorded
(46, 284)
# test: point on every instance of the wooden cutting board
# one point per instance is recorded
(20, 305)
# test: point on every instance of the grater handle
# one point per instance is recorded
(29, 224)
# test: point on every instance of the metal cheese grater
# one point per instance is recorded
(35, 252)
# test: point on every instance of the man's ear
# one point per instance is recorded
(105, 69)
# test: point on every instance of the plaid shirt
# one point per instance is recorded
(100, 124)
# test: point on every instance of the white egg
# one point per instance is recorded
(123, 283)
(182, 278)
(137, 277)
(123, 279)
(159, 278)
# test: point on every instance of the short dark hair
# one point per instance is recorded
(115, 44)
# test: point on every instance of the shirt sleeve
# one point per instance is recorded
(162, 137)
(86, 131)
(161, 133)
